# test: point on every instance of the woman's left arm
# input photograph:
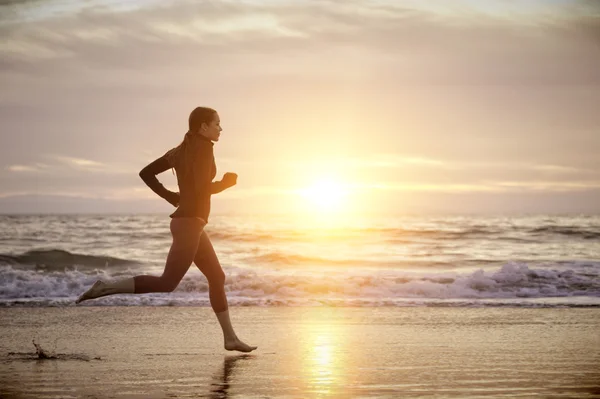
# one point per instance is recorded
(217, 187)
(148, 175)
(229, 180)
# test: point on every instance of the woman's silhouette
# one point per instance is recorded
(194, 164)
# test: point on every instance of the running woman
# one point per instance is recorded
(194, 164)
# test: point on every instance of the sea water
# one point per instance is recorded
(283, 260)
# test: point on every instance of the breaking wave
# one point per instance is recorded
(514, 282)
(57, 259)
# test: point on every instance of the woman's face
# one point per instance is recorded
(213, 129)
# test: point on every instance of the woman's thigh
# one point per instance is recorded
(206, 259)
(186, 234)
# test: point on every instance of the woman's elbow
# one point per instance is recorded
(144, 174)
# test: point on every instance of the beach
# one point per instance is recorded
(166, 352)
(399, 199)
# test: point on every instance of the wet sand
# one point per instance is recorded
(166, 352)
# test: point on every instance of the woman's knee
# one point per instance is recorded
(168, 284)
(216, 278)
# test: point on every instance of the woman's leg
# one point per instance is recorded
(186, 234)
(206, 260)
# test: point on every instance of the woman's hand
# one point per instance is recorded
(172, 198)
(229, 179)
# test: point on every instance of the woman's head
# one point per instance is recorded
(203, 121)
(206, 122)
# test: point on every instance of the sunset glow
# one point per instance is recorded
(325, 195)
(415, 110)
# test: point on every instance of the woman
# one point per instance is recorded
(193, 161)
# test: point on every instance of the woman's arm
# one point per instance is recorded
(148, 175)
(217, 187)
(229, 180)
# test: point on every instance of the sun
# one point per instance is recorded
(326, 195)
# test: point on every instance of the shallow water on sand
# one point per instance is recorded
(165, 352)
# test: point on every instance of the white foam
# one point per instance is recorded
(250, 287)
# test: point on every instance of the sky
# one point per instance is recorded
(355, 107)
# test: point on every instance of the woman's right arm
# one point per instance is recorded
(148, 175)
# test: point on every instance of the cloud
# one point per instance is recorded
(64, 164)
(381, 160)
(528, 168)
(390, 187)
(36, 167)
(425, 94)
(22, 168)
(561, 169)
(549, 186)
(492, 187)
(418, 45)
(391, 160)
(78, 162)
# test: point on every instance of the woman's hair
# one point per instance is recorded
(181, 156)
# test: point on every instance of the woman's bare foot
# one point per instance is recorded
(237, 345)
(97, 290)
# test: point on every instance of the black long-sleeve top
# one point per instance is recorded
(195, 189)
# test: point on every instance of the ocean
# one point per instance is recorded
(287, 260)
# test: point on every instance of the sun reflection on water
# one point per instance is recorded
(324, 365)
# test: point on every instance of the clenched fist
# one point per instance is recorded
(229, 179)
